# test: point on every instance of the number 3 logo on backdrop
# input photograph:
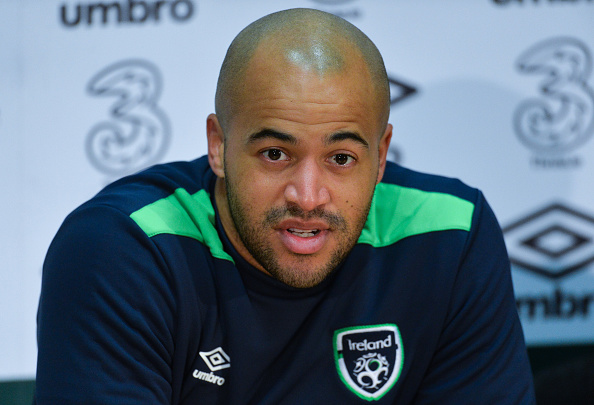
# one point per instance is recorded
(563, 117)
(137, 133)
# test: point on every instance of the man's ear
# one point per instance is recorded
(384, 145)
(216, 145)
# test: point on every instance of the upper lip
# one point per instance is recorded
(304, 225)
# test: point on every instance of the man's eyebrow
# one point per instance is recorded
(341, 136)
(270, 133)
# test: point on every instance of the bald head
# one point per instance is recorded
(311, 40)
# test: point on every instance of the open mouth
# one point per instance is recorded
(303, 233)
(304, 240)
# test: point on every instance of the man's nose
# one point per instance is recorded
(306, 187)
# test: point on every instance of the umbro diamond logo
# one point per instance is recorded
(216, 360)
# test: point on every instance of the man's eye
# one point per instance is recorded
(275, 154)
(342, 159)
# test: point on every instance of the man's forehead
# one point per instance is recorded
(291, 139)
(289, 99)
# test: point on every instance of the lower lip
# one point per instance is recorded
(304, 246)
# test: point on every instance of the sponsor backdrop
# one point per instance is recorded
(499, 93)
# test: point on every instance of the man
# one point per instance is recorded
(293, 264)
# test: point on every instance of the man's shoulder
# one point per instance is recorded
(167, 199)
(408, 203)
(404, 178)
(131, 193)
(171, 199)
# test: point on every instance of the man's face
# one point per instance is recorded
(302, 156)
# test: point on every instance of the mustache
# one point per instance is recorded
(277, 214)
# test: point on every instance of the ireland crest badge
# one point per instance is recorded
(369, 359)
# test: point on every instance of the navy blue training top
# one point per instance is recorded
(145, 301)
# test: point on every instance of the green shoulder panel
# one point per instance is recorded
(398, 212)
(184, 214)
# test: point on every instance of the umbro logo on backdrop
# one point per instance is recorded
(341, 8)
(126, 12)
(555, 243)
(399, 90)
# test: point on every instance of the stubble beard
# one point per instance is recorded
(300, 274)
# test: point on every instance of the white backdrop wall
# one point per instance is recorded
(498, 93)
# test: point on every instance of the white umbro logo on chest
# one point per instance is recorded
(215, 360)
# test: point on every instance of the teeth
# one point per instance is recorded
(304, 233)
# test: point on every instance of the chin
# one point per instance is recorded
(303, 273)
